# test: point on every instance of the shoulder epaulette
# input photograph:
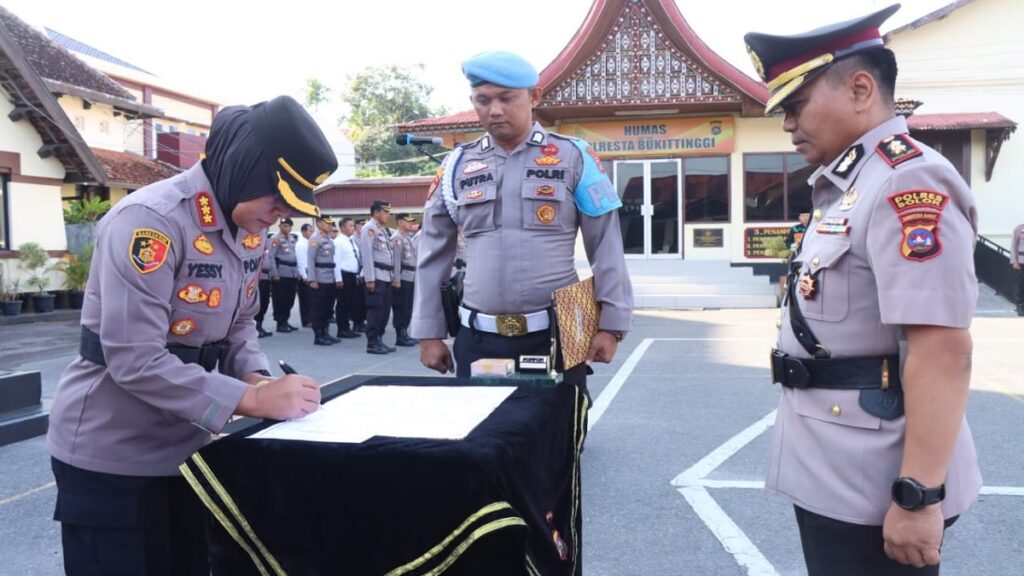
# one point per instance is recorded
(897, 149)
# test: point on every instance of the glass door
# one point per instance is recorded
(650, 217)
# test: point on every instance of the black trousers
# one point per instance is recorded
(836, 548)
(115, 525)
(264, 287)
(402, 304)
(345, 302)
(359, 303)
(320, 309)
(284, 298)
(378, 308)
(1020, 287)
(305, 301)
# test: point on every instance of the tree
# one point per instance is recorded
(316, 93)
(380, 98)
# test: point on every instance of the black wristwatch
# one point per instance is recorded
(910, 494)
(618, 334)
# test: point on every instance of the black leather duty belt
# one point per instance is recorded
(324, 264)
(408, 268)
(380, 266)
(281, 262)
(867, 373)
(207, 356)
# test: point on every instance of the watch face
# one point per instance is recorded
(907, 495)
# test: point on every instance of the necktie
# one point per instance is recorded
(355, 250)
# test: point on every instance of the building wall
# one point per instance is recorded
(971, 62)
(186, 113)
(99, 126)
(21, 138)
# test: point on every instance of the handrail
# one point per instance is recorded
(1002, 251)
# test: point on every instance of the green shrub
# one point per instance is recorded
(91, 210)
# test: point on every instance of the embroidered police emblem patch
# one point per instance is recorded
(193, 294)
(148, 249)
(546, 214)
(183, 327)
(545, 190)
(474, 166)
(920, 236)
(203, 245)
(214, 301)
(252, 241)
(547, 160)
(204, 206)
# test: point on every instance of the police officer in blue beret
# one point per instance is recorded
(518, 195)
(871, 444)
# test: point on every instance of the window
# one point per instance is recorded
(707, 189)
(172, 129)
(954, 145)
(159, 127)
(775, 187)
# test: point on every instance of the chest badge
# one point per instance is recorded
(547, 160)
(183, 327)
(149, 249)
(193, 294)
(204, 207)
(474, 194)
(203, 245)
(251, 288)
(546, 213)
(252, 241)
(214, 300)
(849, 161)
(849, 199)
(545, 190)
(808, 286)
(473, 167)
(549, 150)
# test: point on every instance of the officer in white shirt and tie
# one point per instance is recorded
(301, 247)
(346, 258)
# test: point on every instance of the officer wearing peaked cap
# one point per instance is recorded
(405, 244)
(324, 276)
(168, 351)
(873, 357)
(519, 194)
(283, 261)
(380, 273)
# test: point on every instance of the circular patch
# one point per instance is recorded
(183, 327)
(549, 150)
(193, 294)
(920, 240)
(546, 213)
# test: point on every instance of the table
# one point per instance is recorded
(503, 500)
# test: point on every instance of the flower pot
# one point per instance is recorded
(76, 299)
(42, 303)
(12, 308)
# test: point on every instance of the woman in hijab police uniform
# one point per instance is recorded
(169, 351)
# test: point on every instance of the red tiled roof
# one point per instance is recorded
(54, 62)
(466, 121)
(132, 170)
(960, 121)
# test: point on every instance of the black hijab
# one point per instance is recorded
(234, 164)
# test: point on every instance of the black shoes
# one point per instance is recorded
(262, 333)
(346, 333)
(376, 346)
(323, 339)
(359, 327)
(403, 338)
(285, 327)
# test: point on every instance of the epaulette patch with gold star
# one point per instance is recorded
(897, 149)
(204, 207)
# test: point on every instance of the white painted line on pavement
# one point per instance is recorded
(733, 539)
(707, 464)
(1003, 490)
(613, 387)
(27, 493)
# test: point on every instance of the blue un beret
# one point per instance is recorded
(500, 68)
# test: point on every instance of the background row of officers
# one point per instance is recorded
(356, 272)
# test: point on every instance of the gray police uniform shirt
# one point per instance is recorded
(375, 247)
(166, 270)
(282, 257)
(518, 212)
(892, 245)
(405, 250)
(1017, 245)
(320, 260)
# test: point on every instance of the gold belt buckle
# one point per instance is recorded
(511, 324)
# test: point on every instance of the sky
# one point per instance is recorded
(242, 52)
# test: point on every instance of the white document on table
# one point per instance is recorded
(438, 412)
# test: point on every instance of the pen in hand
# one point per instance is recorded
(286, 368)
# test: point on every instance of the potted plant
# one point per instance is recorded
(9, 297)
(76, 273)
(80, 219)
(776, 247)
(33, 260)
